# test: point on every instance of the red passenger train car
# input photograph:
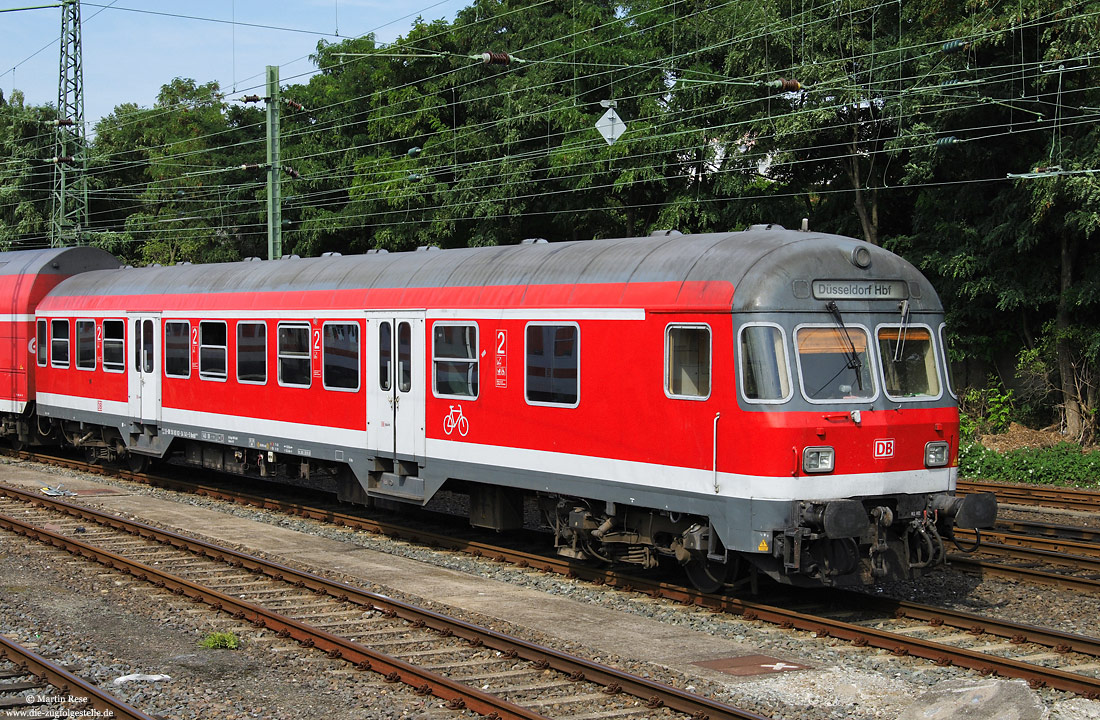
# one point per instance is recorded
(25, 278)
(765, 401)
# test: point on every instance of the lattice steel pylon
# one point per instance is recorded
(69, 219)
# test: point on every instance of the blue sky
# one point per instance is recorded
(129, 55)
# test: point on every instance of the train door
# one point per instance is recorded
(144, 372)
(396, 382)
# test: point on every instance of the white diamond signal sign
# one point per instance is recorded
(611, 126)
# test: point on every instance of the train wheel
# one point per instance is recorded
(16, 444)
(137, 463)
(90, 456)
(707, 576)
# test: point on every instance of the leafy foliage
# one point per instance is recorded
(1063, 464)
(220, 641)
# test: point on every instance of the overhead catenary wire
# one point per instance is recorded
(200, 151)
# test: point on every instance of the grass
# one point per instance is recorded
(220, 641)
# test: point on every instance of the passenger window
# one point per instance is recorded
(687, 366)
(213, 351)
(177, 349)
(908, 363)
(252, 352)
(340, 370)
(85, 344)
(553, 364)
(385, 356)
(59, 343)
(43, 343)
(454, 355)
(295, 363)
(114, 345)
(765, 372)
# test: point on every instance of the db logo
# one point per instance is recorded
(884, 448)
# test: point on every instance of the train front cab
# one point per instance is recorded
(854, 476)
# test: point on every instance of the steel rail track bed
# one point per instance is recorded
(48, 674)
(860, 635)
(1040, 495)
(425, 682)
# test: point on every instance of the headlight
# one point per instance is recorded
(817, 460)
(935, 454)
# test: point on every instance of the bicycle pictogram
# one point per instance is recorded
(455, 419)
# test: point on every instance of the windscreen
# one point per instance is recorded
(834, 364)
(908, 362)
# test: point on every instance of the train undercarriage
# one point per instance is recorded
(842, 542)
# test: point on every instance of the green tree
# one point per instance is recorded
(26, 174)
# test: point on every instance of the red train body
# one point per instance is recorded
(770, 396)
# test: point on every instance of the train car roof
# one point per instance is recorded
(26, 275)
(764, 263)
(56, 261)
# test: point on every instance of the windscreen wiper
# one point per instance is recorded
(903, 331)
(854, 363)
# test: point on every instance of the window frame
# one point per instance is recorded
(551, 323)
(213, 377)
(935, 352)
(121, 367)
(786, 359)
(279, 353)
(668, 378)
(77, 344)
(475, 361)
(42, 340)
(872, 358)
(949, 380)
(358, 356)
(68, 343)
(164, 349)
(237, 352)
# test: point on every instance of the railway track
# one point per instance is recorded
(33, 686)
(1035, 495)
(924, 632)
(467, 667)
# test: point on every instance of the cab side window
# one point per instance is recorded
(687, 361)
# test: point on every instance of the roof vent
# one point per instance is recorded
(291, 257)
(426, 248)
(251, 258)
(332, 254)
(665, 233)
(184, 262)
(378, 251)
(768, 226)
(533, 241)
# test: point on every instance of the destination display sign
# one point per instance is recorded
(860, 289)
